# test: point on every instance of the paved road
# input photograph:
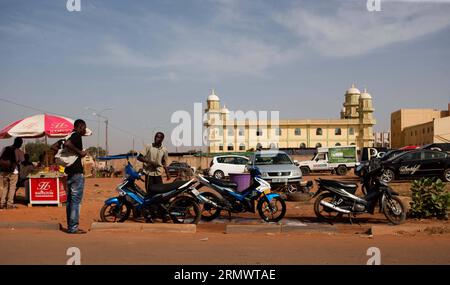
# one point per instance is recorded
(50, 247)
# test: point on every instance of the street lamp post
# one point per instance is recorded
(99, 115)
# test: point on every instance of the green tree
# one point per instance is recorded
(93, 151)
(36, 149)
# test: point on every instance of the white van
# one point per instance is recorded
(221, 166)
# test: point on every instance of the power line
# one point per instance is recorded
(53, 113)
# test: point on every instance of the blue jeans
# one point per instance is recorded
(75, 187)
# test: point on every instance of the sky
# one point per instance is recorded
(148, 59)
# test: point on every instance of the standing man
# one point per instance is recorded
(10, 158)
(75, 179)
(155, 158)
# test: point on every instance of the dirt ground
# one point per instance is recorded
(348, 245)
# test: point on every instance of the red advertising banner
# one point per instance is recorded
(44, 190)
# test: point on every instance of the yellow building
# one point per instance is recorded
(355, 127)
(420, 127)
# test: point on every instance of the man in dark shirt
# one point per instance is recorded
(9, 160)
(75, 179)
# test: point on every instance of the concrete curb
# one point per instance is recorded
(30, 225)
(149, 228)
(264, 228)
(396, 230)
(309, 228)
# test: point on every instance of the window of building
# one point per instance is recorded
(220, 131)
(352, 144)
(415, 132)
(318, 145)
(423, 130)
(337, 144)
(319, 131)
(278, 132)
(241, 131)
(230, 132)
(221, 147)
(230, 147)
(338, 131)
(428, 130)
(298, 131)
(242, 146)
(259, 132)
(351, 131)
(302, 145)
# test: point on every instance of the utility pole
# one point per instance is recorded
(107, 149)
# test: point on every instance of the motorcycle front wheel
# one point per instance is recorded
(272, 211)
(394, 210)
(184, 210)
(324, 213)
(114, 213)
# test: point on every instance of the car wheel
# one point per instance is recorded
(388, 175)
(447, 175)
(219, 174)
(305, 170)
(341, 170)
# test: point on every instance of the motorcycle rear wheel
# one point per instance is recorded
(394, 210)
(114, 213)
(209, 212)
(324, 213)
(184, 210)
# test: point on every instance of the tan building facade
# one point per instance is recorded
(420, 127)
(355, 127)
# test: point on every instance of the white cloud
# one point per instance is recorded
(355, 31)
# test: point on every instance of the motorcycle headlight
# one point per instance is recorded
(296, 173)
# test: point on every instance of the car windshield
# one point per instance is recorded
(267, 159)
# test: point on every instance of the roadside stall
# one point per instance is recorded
(48, 186)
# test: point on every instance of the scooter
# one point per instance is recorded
(271, 207)
(172, 201)
(334, 198)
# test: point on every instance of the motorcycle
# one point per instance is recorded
(271, 207)
(334, 198)
(169, 202)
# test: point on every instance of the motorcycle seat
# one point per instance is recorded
(347, 186)
(222, 182)
(164, 188)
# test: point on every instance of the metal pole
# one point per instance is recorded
(107, 150)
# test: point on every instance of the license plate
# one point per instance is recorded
(279, 180)
(195, 192)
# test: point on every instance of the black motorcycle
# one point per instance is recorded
(334, 198)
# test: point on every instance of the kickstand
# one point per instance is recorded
(350, 219)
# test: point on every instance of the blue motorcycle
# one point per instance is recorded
(271, 207)
(169, 202)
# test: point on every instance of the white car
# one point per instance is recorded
(221, 166)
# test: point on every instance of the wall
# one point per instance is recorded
(404, 118)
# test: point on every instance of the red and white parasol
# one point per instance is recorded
(39, 126)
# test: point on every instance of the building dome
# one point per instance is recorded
(213, 96)
(353, 90)
(224, 110)
(365, 95)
